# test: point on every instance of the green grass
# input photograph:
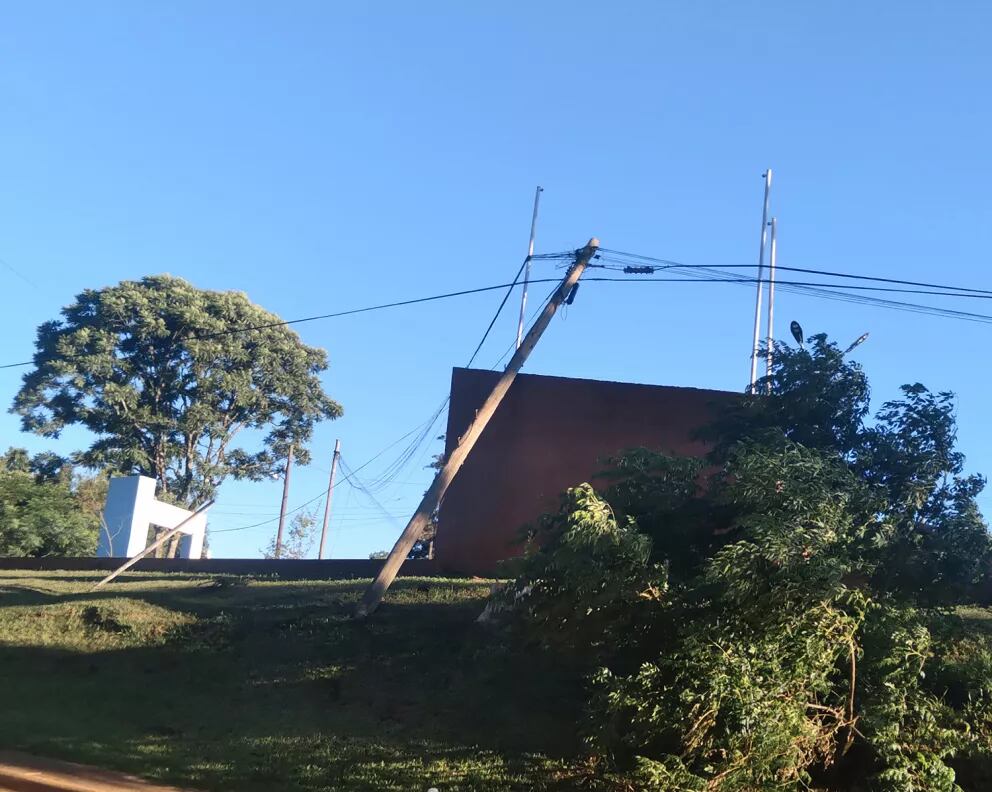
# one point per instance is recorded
(229, 684)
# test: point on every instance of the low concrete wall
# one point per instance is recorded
(285, 568)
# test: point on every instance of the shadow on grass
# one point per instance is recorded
(93, 577)
(274, 688)
(204, 592)
(200, 595)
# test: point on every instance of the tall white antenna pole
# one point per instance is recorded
(530, 253)
(772, 257)
(761, 271)
(330, 495)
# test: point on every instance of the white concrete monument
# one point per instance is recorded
(131, 508)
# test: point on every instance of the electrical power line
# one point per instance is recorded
(19, 274)
(389, 475)
(930, 289)
(287, 322)
(499, 310)
(710, 274)
(827, 291)
(355, 482)
(731, 278)
(398, 465)
(268, 521)
(322, 493)
(530, 321)
(668, 263)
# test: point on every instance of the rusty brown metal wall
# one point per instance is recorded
(550, 433)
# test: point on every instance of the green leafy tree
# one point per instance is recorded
(782, 617)
(821, 401)
(45, 465)
(45, 511)
(154, 371)
(16, 460)
(299, 539)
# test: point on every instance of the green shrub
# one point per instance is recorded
(780, 620)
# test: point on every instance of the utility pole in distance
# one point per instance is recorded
(432, 498)
(330, 494)
(285, 498)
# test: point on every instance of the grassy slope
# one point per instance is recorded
(249, 685)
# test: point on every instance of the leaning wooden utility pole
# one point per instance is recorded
(285, 499)
(330, 494)
(432, 498)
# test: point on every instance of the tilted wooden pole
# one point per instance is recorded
(154, 545)
(330, 494)
(285, 501)
(432, 498)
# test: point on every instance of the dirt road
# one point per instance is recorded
(25, 773)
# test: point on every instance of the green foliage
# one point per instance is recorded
(663, 495)
(46, 511)
(822, 400)
(151, 368)
(776, 618)
(588, 577)
(939, 545)
(298, 540)
(44, 466)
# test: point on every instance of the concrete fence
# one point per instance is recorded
(284, 568)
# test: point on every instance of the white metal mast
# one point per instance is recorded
(760, 286)
(769, 339)
(530, 253)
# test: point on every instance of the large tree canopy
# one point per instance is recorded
(153, 369)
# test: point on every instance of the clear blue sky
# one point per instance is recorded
(323, 156)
